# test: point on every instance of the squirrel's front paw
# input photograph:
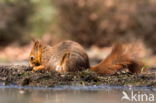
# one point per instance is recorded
(37, 68)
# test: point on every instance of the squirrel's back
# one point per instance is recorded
(65, 56)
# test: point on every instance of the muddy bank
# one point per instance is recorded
(23, 76)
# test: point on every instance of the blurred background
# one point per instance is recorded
(96, 24)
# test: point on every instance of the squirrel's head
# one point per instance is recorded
(35, 54)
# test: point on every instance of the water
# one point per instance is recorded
(65, 94)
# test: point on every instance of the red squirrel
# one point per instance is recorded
(69, 56)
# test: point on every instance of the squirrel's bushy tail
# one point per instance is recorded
(122, 56)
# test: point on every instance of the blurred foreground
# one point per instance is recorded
(69, 95)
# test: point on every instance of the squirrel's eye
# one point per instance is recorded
(32, 58)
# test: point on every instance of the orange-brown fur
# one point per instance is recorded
(63, 57)
(121, 57)
(70, 56)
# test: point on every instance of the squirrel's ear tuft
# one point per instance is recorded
(37, 43)
(35, 40)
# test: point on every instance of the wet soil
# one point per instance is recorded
(22, 75)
